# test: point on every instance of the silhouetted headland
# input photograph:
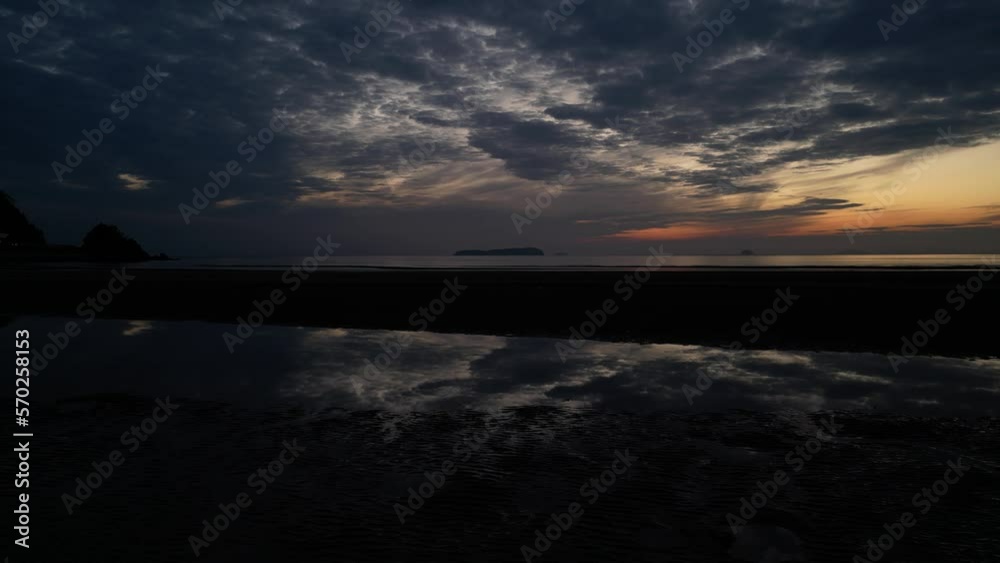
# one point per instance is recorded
(22, 241)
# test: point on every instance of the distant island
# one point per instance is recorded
(502, 252)
(20, 240)
(746, 253)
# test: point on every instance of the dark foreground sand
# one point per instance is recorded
(336, 501)
(836, 309)
(366, 447)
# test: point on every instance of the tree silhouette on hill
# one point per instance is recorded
(13, 223)
(108, 242)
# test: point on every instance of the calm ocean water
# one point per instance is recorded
(591, 262)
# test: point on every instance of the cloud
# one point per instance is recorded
(132, 182)
(789, 84)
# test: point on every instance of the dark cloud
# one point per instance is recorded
(787, 83)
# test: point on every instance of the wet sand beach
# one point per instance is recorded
(832, 309)
(521, 435)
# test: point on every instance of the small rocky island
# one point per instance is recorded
(528, 251)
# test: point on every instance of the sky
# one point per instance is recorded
(794, 126)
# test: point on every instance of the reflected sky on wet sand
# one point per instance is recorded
(372, 438)
(322, 369)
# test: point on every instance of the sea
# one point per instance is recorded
(863, 261)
